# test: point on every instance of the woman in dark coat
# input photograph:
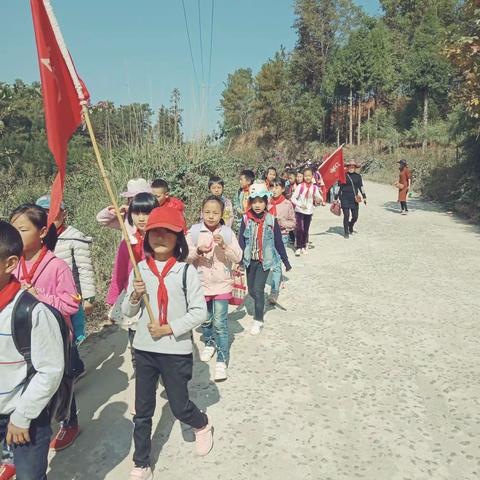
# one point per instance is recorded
(351, 194)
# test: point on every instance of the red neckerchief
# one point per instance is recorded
(28, 275)
(61, 229)
(8, 292)
(307, 187)
(162, 294)
(260, 222)
(138, 247)
(275, 202)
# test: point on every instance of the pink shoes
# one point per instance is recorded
(204, 439)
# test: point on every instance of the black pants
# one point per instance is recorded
(404, 206)
(176, 372)
(302, 229)
(78, 369)
(256, 281)
(348, 222)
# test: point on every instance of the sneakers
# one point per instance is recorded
(304, 251)
(139, 473)
(273, 298)
(298, 251)
(404, 212)
(207, 353)
(204, 440)
(256, 327)
(7, 471)
(220, 372)
(65, 436)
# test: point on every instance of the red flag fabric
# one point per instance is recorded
(333, 169)
(61, 99)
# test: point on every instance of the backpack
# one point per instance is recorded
(59, 405)
(225, 231)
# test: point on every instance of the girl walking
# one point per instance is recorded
(50, 280)
(403, 184)
(260, 238)
(213, 251)
(351, 194)
(164, 349)
(306, 196)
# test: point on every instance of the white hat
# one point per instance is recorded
(136, 185)
(258, 189)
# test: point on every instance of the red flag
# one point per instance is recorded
(62, 93)
(333, 169)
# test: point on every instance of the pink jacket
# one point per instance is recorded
(54, 283)
(286, 216)
(121, 271)
(108, 218)
(214, 267)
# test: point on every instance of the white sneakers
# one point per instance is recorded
(207, 353)
(256, 327)
(220, 372)
(298, 252)
(139, 473)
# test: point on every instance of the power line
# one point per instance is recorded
(189, 42)
(211, 44)
(201, 36)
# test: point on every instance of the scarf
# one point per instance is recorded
(246, 192)
(260, 222)
(307, 187)
(275, 202)
(8, 292)
(138, 247)
(28, 275)
(162, 294)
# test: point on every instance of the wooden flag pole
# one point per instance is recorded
(330, 156)
(113, 199)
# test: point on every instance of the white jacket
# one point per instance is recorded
(74, 248)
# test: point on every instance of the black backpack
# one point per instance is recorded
(59, 406)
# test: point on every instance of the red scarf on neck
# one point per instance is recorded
(28, 275)
(8, 292)
(162, 294)
(307, 187)
(260, 222)
(275, 202)
(138, 247)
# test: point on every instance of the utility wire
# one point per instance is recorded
(201, 36)
(189, 42)
(211, 44)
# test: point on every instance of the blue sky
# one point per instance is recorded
(137, 51)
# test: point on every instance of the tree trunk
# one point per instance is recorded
(359, 120)
(368, 129)
(425, 120)
(351, 117)
(337, 121)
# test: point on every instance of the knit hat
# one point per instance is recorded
(165, 217)
(258, 189)
(45, 201)
(136, 185)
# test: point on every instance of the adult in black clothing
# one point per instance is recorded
(351, 194)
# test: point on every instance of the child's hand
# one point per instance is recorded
(30, 289)
(303, 207)
(201, 249)
(158, 331)
(88, 307)
(218, 239)
(139, 290)
(16, 435)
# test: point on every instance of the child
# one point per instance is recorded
(137, 218)
(24, 421)
(108, 218)
(161, 191)
(306, 196)
(299, 178)
(269, 177)
(240, 202)
(213, 249)
(290, 184)
(164, 349)
(260, 238)
(216, 186)
(50, 280)
(73, 247)
(282, 210)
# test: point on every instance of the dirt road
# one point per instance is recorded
(369, 369)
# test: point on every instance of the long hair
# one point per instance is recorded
(39, 218)
(141, 203)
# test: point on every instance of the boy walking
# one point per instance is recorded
(24, 419)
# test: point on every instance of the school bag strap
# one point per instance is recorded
(21, 325)
(184, 282)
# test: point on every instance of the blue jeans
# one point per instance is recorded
(215, 333)
(277, 270)
(31, 460)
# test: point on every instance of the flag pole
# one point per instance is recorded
(86, 117)
(330, 156)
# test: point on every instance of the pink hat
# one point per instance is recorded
(136, 185)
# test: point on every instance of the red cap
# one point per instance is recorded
(165, 217)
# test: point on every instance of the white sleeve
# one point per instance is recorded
(48, 360)
(129, 309)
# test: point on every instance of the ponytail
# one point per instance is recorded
(39, 218)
